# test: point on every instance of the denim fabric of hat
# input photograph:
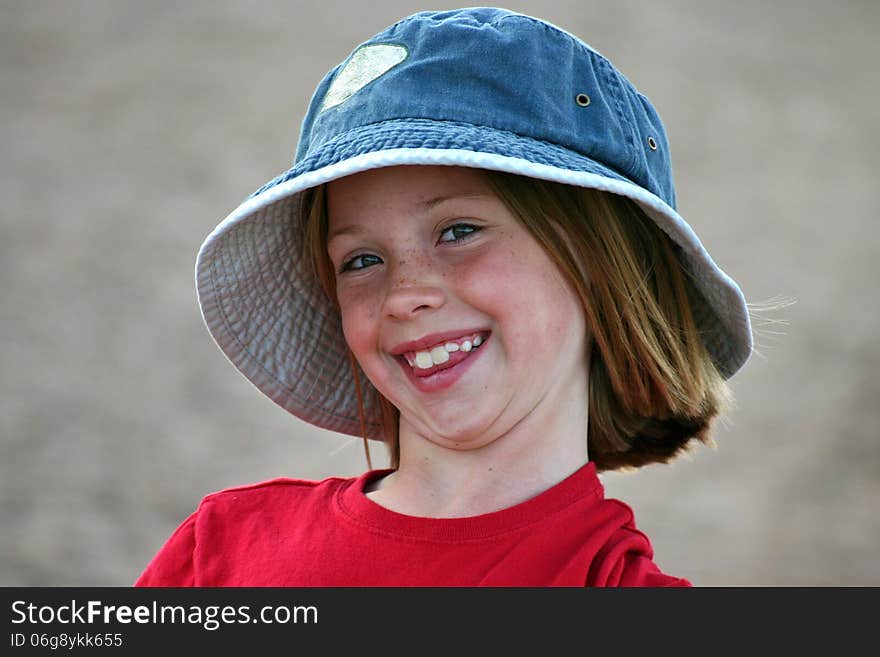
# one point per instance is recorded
(477, 87)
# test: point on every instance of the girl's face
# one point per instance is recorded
(454, 312)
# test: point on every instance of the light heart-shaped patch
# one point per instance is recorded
(365, 65)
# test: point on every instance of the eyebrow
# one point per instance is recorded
(424, 206)
(437, 200)
(353, 229)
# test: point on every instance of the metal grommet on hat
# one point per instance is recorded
(415, 94)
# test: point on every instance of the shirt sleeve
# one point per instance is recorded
(627, 560)
(641, 571)
(173, 565)
(633, 568)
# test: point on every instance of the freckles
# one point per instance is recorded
(358, 316)
(409, 261)
(399, 277)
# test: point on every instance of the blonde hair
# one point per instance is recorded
(653, 388)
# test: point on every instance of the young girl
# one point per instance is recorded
(476, 258)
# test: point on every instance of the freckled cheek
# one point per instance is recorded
(565, 313)
(478, 283)
(528, 296)
(359, 324)
(521, 273)
(502, 288)
(566, 320)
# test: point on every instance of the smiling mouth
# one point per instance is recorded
(443, 356)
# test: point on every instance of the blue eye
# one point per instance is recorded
(360, 262)
(459, 232)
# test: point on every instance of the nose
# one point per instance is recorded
(412, 290)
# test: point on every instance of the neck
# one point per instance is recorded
(511, 466)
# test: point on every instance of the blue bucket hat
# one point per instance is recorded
(477, 87)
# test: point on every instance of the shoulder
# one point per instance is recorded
(232, 521)
(265, 496)
(627, 557)
(280, 486)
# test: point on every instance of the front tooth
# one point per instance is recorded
(451, 346)
(423, 360)
(466, 345)
(439, 355)
(478, 340)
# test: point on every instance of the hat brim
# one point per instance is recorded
(277, 327)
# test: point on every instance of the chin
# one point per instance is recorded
(461, 438)
(448, 427)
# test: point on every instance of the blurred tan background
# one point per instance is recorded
(129, 129)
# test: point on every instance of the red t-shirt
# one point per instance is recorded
(289, 532)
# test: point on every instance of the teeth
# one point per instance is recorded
(439, 355)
